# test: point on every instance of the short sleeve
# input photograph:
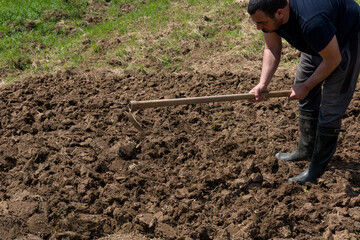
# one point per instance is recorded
(318, 32)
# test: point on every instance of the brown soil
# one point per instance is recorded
(73, 167)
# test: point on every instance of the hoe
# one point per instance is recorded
(137, 105)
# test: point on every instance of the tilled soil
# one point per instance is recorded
(72, 166)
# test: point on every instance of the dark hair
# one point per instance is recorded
(269, 7)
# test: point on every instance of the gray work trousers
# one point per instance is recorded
(331, 97)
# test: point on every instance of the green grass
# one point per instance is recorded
(44, 35)
(30, 28)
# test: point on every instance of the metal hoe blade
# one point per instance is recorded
(134, 121)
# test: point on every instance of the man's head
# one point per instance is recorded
(268, 15)
(269, 7)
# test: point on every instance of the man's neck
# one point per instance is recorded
(286, 13)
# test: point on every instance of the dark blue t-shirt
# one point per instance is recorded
(313, 23)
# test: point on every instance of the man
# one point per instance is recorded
(327, 32)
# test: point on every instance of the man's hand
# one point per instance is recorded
(299, 91)
(257, 91)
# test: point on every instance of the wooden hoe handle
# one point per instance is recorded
(136, 105)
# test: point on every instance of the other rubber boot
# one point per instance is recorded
(324, 149)
(307, 127)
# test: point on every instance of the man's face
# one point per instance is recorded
(266, 23)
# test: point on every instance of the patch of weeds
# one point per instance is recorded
(177, 67)
(121, 54)
(96, 48)
(139, 67)
(257, 43)
(20, 63)
(165, 61)
(9, 79)
(133, 39)
(40, 68)
(209, 32)
(76, 59)
(231, 34)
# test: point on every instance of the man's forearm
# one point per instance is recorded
(301, 90)
(270, 63)
(331, 59)
(321, 73)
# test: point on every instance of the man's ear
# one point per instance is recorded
(279, 13)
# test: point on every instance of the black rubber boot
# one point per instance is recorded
(307, 127)
(324, 149)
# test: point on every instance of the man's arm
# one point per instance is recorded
(271, 59)
(331, 58)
